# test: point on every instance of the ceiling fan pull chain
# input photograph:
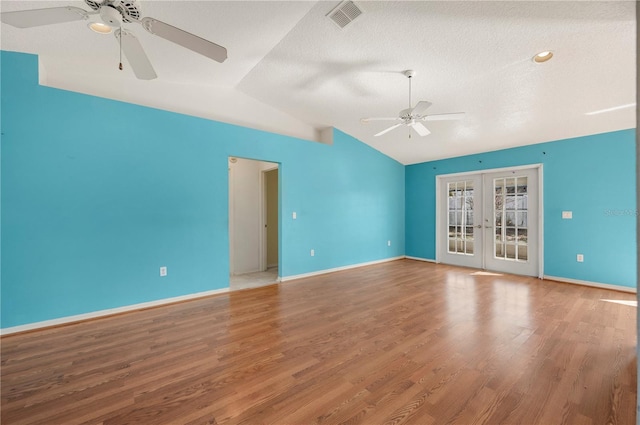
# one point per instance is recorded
(120, 66)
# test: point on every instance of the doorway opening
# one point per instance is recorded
(253, 223)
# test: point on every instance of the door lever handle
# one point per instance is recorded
(478, 226)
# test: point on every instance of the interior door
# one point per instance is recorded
(461, 241)
(511, 221)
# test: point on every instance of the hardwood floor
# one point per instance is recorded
(404, 342)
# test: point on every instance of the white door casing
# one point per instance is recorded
(497, 213)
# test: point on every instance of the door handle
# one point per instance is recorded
(478, 226)
(488, 227)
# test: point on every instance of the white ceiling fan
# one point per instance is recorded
(113, 14)
(412, 117)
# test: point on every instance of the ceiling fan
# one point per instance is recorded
(113, 14)
(412, 117)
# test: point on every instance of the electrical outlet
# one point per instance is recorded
(567, 215)
(163, 271)
(388, 243)
(313, 252)
(580, 258)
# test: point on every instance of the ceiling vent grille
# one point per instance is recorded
(345, 13)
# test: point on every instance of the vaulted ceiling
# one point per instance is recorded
(293, 71)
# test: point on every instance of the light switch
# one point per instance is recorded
(294, 215)
(567, 215)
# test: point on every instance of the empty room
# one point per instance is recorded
(318, 212)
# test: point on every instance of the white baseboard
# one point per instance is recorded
(337, 269)
(428, 260)
(140, 306)
(118, 310)
(592, 284)
(107, 312)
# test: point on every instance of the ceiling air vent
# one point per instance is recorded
(345, 13)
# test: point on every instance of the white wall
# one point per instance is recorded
(245, 214)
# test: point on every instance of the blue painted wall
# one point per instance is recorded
(592, 176)
(98, 194)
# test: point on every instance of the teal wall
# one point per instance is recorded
(98, 194)
(592, 176)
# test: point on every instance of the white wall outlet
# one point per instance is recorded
(294, 215)
(388, 243)
(580, 258)
(567, 215)
(163, 271)
(313, 252)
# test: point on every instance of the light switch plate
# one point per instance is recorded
(567, 215)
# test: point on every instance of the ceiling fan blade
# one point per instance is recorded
(387, 130)
(185, 39)
(363, 120)
(443, 117)
(38, 17)
(136, 56)
(421, 108)
(420, 128)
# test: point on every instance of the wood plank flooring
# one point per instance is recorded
(404, 342)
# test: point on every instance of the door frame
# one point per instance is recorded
(263, 215)
(483, 172)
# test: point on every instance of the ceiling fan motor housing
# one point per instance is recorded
(111, 16)
(129, 9)
(405, 114)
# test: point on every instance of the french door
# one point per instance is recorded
(490, 220)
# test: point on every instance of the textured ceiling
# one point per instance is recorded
(293, 71)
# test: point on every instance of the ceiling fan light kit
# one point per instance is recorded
(100, 28)
(412, 116)
(113, 13)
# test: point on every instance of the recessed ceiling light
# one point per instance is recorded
(543, 56)
(100, 28)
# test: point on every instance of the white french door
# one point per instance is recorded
(490, 220)
(461, 214)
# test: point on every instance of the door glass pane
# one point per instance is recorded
(511, 251)
(469, 232)
(510, 218)
(522, 252)
(510, 234)
(460, 217)
(522, 236)
(521, 218)
(469, 247)
(522, 185)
